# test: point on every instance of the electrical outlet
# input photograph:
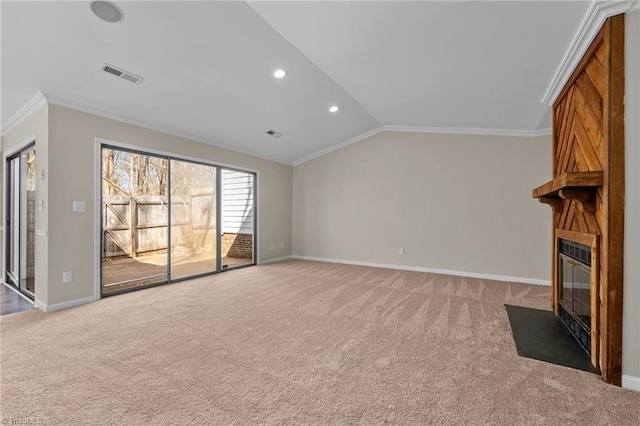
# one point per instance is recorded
(67, 276)
(272, 246)
(401, 252)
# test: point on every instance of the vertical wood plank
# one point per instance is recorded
(614, 200)
(595, 305)
(555, 277)
(604, 263)
(133, 206)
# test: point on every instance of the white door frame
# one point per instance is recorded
(33, 139)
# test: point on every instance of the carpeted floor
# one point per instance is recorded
(297, 343)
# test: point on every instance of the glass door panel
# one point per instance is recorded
(21, 209)
(193, 219)
(28, 237)
(13, 221)
(237, 218)
(135, 220)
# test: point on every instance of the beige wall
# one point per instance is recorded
(631, 313)
(35, 125)
(453, 202)
(72, 178)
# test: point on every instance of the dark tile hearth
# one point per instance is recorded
(541, 335)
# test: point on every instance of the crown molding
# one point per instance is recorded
(598, 12)
(34, 105)
(90, 109)
(468, 131)
(43, 99)
(542, 132)
(340, 145)
(435, 130)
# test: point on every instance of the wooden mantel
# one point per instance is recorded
(578, 186)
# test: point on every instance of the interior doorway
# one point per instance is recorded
(20, 181)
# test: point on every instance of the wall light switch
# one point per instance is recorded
(79, 206)
(41, 205)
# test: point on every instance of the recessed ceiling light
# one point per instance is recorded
(279, 73)
(333, 108)
(107, 11)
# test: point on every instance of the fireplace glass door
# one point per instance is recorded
(575, 296)
(576, 290)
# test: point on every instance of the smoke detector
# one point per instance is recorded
(274, 133)
(118, 72)
(107, 11)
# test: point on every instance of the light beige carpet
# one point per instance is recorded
(297, 343)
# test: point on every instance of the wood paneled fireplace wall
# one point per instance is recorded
(587, 191)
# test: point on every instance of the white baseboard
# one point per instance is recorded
(429, 270)
(278, 259)
(631, 382)
(70, 304)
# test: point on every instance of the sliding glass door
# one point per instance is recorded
(161, 221)
(21, 214)
(193, 219)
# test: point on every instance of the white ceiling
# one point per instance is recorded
(479, 65)
(207, 66)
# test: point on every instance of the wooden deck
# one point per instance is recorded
(146, 270)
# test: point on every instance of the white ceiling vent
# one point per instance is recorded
(118, 72)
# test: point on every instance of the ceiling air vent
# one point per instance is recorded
(274, 133)
(121, 73)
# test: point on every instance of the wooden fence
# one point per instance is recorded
(137, 225)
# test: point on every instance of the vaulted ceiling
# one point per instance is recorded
(208, 67)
